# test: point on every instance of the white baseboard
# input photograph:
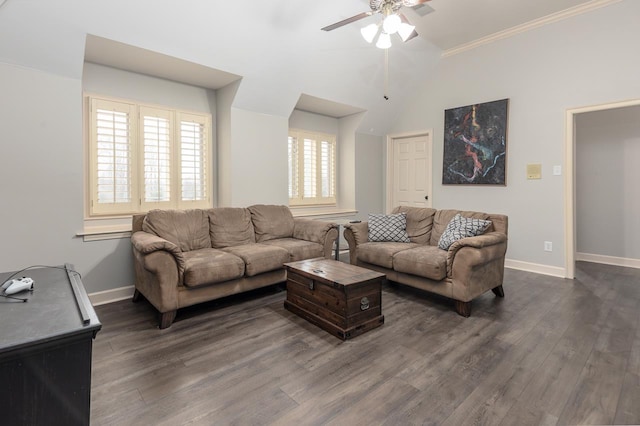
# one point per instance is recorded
(554, 271)
(608, 260)
(109, 296)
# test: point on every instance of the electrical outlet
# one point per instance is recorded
(548, 246)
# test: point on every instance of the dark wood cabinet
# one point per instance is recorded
(45, 351)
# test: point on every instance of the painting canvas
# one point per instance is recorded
(475, 144)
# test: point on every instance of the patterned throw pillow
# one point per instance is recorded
(391, 227)
(462, 227)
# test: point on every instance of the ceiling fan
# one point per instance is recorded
(393, 22)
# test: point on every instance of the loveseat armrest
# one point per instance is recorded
(146, 244)
(316, 231)
(478, 250)
(355, 234)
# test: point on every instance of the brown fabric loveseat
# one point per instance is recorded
(470, 267)
(184, 257)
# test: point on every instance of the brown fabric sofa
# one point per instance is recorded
(470, 267)
(184, 257)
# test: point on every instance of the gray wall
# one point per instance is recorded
(581, 61)
(607, 184)
(102, 80)
(584, 60)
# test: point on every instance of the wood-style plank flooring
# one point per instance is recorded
(552, 352)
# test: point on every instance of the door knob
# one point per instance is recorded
(426, 197)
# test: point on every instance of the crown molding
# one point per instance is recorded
(536, 23)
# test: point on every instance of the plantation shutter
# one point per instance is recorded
(112, 156)
(194, 161)
(312, 168)
(327, 169)
(157, 138)
(293, 167)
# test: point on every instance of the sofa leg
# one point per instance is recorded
(137, 296)
(463, 308)
(498, 291)
(166, 319)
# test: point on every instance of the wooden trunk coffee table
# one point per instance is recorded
(343, 299)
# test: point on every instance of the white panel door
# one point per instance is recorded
(411, 171)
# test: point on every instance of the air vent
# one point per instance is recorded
(423, 9)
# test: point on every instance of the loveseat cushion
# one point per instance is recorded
(230, 226)
(209, 265)
(297, 249)
(425, 261)
(442, 218)
(187, 229)
(259, 258)
(271, 222)
(381, 253)
(419, 222)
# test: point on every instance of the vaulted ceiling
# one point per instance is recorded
(276, 46)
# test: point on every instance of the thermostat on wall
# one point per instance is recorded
(534, 171)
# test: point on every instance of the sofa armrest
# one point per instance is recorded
(355, 234)
(146, 244)
(316, 231)
(478, 250)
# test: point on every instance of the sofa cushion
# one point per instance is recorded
(392, 227)
(462, 227)
(259, 258)
(425, 261)
(208, 266)
(271, 222)
(298, 249)
(442, 218)
(419, 223)
(230, 226)
(187, 229)
(381, 253)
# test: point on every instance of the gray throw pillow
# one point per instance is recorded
(392, 227)
(461, 227)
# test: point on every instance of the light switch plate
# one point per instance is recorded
(534, 171)
(557, 170)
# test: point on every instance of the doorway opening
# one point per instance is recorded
(570, 178)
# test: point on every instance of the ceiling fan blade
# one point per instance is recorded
(347, 21)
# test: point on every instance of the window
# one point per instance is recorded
(312, 168)
(144, 157)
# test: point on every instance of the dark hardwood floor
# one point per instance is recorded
(552, 352)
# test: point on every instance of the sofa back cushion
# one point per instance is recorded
(419, 223)
(188, 229)
(271, 222)
(230, 227)
(442, 218)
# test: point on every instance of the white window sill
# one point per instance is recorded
(105, 228)
(321, 212)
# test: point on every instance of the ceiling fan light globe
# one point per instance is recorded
(369, 32)
(391, 24)
(405, 30)
(384, 41)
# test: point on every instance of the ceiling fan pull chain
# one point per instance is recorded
(386, 74)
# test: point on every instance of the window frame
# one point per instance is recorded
(303, 200)
(136, 111)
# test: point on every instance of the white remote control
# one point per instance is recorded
(16, 286)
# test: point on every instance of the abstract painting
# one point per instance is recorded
(475, 144)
